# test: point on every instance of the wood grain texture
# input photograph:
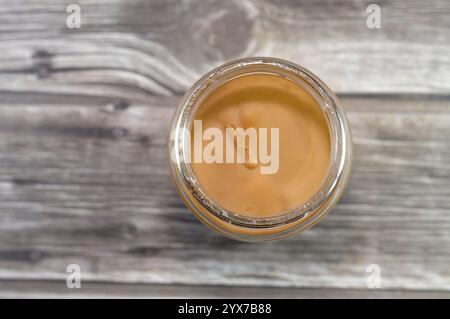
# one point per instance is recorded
(85, 184)
(161, 46)
(84, 115)
(56, 289)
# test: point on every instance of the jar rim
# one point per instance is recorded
(183, 117)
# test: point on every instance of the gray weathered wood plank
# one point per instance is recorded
(87, 183)
(160, 47)
(57, 289)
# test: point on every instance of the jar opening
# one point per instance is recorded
(309, 82)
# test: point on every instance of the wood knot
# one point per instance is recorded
(119, 132)
(41, 54)
(145, 140)
(120, 104)
(42, 63)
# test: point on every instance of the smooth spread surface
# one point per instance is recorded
(266, 101)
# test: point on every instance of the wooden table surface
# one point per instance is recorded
(84, 117)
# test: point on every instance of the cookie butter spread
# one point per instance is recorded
(266, 101)
(260, 149)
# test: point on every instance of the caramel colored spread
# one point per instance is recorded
(265, 101)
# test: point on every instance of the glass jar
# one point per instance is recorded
(255, 229)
